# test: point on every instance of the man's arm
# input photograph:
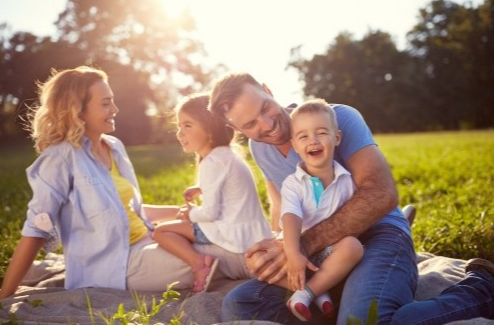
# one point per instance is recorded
(267, 257)
(274, 198)
(375, 196)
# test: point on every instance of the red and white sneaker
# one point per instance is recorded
(327, 309)
(300, 310)
(325, 305)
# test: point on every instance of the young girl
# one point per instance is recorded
(230, 215)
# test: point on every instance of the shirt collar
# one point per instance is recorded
(339, 170)
(109, 140)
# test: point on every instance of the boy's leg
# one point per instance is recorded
(387, 273)
(335, 263)
(343, 257)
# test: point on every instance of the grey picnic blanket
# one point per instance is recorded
(42, 299)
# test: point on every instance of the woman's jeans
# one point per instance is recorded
(386, 274)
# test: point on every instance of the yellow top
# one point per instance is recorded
(126, 192)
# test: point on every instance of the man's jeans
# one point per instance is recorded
(470, 298)
(387, 273)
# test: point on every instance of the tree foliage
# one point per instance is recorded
(455, 45)
(151, 57)
(370, 74)
(444, 80)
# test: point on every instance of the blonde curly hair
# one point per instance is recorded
(62, 100)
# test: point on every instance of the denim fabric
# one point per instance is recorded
(201, 239)
(387, 273)
(470, 298)
(258, 300)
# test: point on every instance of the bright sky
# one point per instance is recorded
(256, 35)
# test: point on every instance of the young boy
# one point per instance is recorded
(316, 190)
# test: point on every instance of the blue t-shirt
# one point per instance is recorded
(355, 136)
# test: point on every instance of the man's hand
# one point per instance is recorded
(267, 260)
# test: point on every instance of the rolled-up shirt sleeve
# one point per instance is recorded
(50, 182)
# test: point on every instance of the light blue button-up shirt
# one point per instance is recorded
(85, 210)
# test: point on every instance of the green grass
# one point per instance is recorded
(447, 176)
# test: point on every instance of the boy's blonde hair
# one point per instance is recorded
(316, 106)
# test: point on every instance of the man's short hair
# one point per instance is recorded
(227, 89)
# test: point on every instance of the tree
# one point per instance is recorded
(151, 58)
(455, 45)
(370, 74)
(27, 59)
(162, 50)
(444, 80)
(140, 34)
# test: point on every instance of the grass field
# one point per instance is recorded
(449, 177)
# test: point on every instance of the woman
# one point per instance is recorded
(86, 196)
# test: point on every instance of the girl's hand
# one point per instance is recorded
(183, 212)
(191, 193)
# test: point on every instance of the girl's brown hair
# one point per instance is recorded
(195, 106)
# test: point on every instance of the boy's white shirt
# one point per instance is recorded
(297, 196)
